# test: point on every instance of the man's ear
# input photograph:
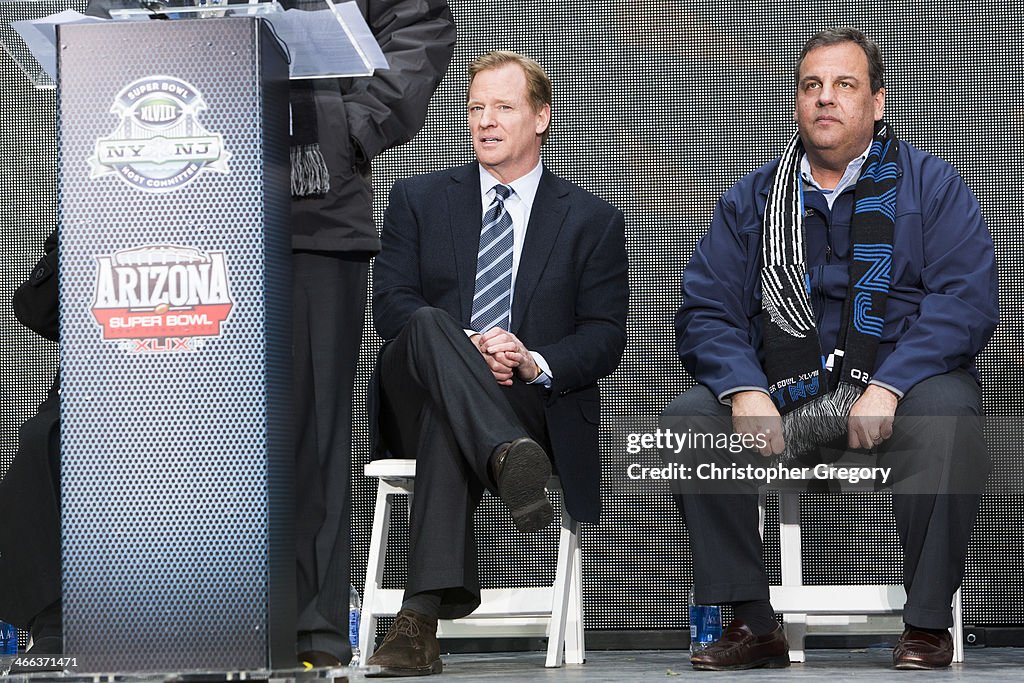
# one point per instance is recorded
(879, 104)
(543, 119)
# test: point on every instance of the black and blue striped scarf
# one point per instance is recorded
(815, 400)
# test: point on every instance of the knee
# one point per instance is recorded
(426, 330)
(695, 402)
(425, 322)
(940, 425)
(953, 394)
(425, 314)
(428, 315)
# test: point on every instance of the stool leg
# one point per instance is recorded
(374, 571)
(561, 592)
(958, 627)
(795, 626)
(575, 649)
(762, 504)
(791, 555)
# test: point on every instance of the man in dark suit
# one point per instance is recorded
(502, 291)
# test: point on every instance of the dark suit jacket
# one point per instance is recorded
(570, 300)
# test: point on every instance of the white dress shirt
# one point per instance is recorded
(519, 206)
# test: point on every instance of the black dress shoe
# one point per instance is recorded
(317, 659)
(739, 648)
(919, 649)
(409, 649)
(521, 469)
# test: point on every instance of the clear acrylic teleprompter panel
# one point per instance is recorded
(316, 48)
(13, 11)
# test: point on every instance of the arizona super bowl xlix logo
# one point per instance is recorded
(161, 297)
(159, 144)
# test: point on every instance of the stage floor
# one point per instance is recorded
(993, 665)
(997, 665)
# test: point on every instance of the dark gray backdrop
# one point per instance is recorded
(659, 107)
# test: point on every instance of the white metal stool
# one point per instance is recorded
(801, 605)
(553, 611)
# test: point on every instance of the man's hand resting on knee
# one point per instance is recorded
(754, 413)
(506, 356)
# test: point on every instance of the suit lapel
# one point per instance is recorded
(464, 212)
(546, 219)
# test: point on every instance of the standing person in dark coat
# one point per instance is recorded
(334, 237)
(338, 127)
(30, 491)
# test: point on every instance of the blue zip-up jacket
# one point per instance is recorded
(942, 305)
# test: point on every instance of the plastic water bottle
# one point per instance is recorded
(8, 647)
(705, 625)
(354, 609)
(8, 640)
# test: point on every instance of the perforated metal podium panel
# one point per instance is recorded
(175, 326)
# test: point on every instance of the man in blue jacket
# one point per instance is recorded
(839, 300)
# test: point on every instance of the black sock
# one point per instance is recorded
(757, 614)
(427, 603)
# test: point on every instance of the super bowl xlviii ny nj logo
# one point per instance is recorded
(159, 144)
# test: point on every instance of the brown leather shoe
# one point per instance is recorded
(521, 469)
(739, 648)
(917, 649)
(409, 649)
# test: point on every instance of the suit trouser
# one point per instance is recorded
(329, 305)
(442, 406)
(30, 505)
(939, 462)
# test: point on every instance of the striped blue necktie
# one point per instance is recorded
(492, 297)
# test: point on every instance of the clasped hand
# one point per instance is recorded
(870, 422)
(506, 356)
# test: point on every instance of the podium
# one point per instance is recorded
(177, 505)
